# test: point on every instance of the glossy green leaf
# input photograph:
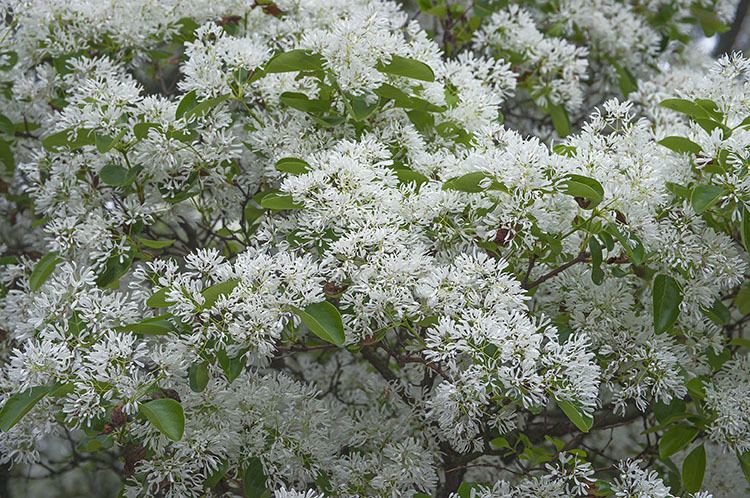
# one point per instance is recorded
(203, 107)
(7, 157)
(410, 68)
(280, 201)
(583, 186)
(301, 102)
(141, 129)
(560, 120)
(745, 229)
(718, 313)
(6, 126)
(323, 320)
(681, 145)
(166, 415)
(213, 479)
(294, 60)
(579, 419)
(693, 469)
(686, 107)
(198, 376)
(211, 294)
(10, 57)
(254, 479)
(359, 109)
(43, 269)
(105, 143)
(744, 459)
(157, 325)
(80, 138)
(20, 404)
(156, 244)
(188, 101)
(159, 299)
(676, 438)
(112, 174)
(292, 165)
(479, 181)
(114, 268)
(667, 297)
(705, 196)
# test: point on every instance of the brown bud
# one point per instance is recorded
(171, 393)
(331, 289)
(230, 20)
(107, 429)
(640, 271)
(622, 258)
(117, 416)
(271, 10)
(584, 203)
(620, 217)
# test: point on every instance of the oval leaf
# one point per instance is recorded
(198, 376)
(211, 294)
(292, 165)
(294, 60)
(323, 320)
(254, 479)
(166, 415)
(410, 68)
(681, 145)
(667, 298)
(583, 422)
(693, 469)
(583, 186)
(43, 269)
(676, 438)
(19, 405)
(705, 196)
(156, 244)
(159, 299)
(280, 201)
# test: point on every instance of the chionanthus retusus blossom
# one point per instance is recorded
(306, 248)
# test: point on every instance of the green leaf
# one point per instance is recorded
(112, 174)
(410, 68)
(479, 181)
(157, 325)
(159, 299)
(82, 137)
(693, 469)
(254, 479)
(745, 343)
(95, 443)
(560, 120)
(166, 415)
(323, 320)
(216, 476)
(744, 459)
(406, 175)
(43, 269)
(300, 102)
(667, 298)
(198, 376)
(141, 129)
(705, 196)
(205, 106)
(583, 422)
(745, 228)
(114, 268)
(686, 107)
(583, 186)
(718, 313)
(211, 294)
(12, 60)
(105, 143)
(156, 244)
(280, 201)
(292, 165)
(294, 60)
(232, 367)
(681, 145)
(676, 438)
(189, 100)
(7, 126)
(709, 21)
(7, 157)
(358, 107)
(19, 405)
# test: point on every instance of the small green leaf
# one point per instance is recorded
(12, 59)
(7, 126)
(676, 438)
(686, 107)
(81, 138)
(560, 120)
(166, 415)
(95, 443)
(216, 476)
(7, 157)
(744, 459)
(112, 174)
(410, 68)
(205, 106)
(20, 404)
(323, 320)
(693, 469)
(359, 109)
(198, 376)
(189, 100)
(705, 196)
(114, 268)
(43, 269)
(681, 145)
(141, 129)
(211, 294)
(156, 244)
(159, 299)
(583, 186)
(292, 165)
(583, 422)
(718, 313)
(254, 479)
(105, 143)
(479, 181)
(300, 102)
(667, 298)
(294, 60)
(745, 228)
(280, 201)
(157, 325)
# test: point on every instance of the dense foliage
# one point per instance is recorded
(312, 248)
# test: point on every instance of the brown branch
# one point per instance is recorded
(578, 259)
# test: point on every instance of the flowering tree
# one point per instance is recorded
(310, 248)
